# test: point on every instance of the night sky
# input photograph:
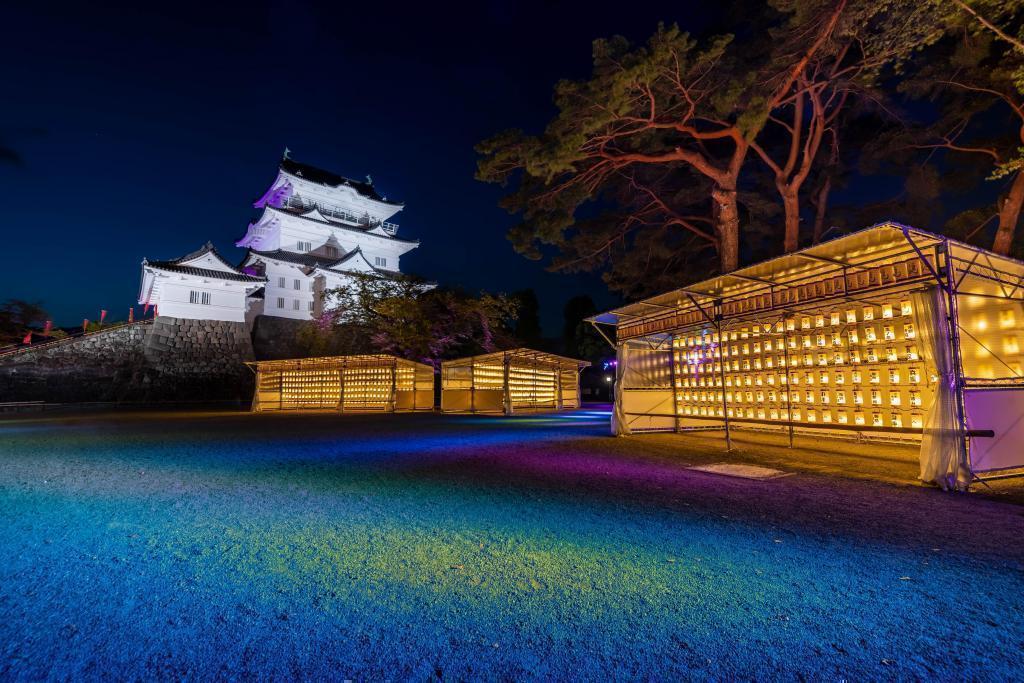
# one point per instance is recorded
(145, 132)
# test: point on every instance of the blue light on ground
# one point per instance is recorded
(429, 546)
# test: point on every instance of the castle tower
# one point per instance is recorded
(317, 226)
(315, 230)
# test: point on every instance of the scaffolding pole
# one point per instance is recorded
(953, 327)
(721, 374)
(506, 390)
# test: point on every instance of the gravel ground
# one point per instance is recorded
(204, 545)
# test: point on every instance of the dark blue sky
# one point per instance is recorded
(146, 131)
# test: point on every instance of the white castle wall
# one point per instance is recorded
(226, 303)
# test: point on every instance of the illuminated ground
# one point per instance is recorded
(181, 546)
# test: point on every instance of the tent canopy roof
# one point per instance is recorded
(874, 246)
(523, 354)
(365, 360)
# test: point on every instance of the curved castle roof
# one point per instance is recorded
(317, 261)
(205, 255)
(319, 175)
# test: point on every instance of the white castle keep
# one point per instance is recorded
(316, 228)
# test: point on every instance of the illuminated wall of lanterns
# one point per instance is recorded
(852, 365)
(840, 337)
(534, 381)
(299, 389)
(528, 386)
(991, 338)
(353, 383)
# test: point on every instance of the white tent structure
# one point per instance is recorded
(511, 381)
(888, 333)
(362, 383)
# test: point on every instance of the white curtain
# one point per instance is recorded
(620, 425)
(941, 447)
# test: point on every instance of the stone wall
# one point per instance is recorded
(184, 347)
(98, 367)
(167, 360)
(277, 338)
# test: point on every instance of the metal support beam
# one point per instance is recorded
(707, 316)
(921, 256)
(394, 386)
(789, 377)
(506, 365)
(672, 379)
(721, 374)
(953, 327)
(558, 388)
(832, 261)
(603, 335)
(756, 280)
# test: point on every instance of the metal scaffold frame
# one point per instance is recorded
(511, 381)
(865, 269)
(359, 383)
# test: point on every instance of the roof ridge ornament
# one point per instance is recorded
(287, 154)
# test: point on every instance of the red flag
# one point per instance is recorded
(103, 316)
(85, 324)
(48, 328)
(27, 339)
(131, 314)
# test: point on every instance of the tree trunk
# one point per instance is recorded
(791, 205)
(1009, 215)
(727, 225)
(821, 209)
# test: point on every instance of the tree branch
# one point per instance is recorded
(990, 26)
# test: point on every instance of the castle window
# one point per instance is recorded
(310, 303)
(331, 251)
(380, 261)
(298, 284)
(280, 282)
(305, 246)
(197, 297)
(280, 302)
(295, 305)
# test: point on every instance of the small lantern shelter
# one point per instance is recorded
(888, 333)
(365, 383)
(511, 381)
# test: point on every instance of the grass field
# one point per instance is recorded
(204, 545)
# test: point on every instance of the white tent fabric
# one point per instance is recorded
(620, 425)
(942, 441)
